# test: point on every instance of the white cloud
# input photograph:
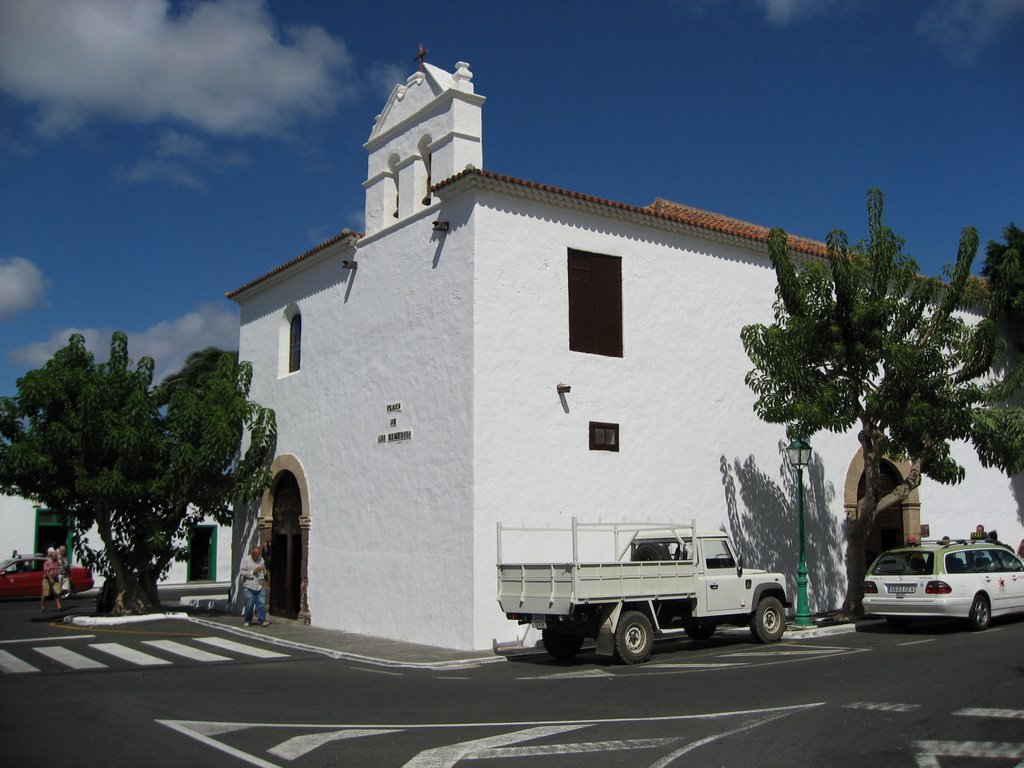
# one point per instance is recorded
(22, 285)
(179, 159)
(384, 77)
(783, 12)
(963, 28)
(222, 66)
(168, 343)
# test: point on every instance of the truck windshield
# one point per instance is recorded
(717, 554)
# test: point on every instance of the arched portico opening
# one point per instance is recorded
(284, 534)
(893, 525)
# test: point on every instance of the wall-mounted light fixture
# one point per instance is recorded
(441, 226)
(563, 389)
(349, 264)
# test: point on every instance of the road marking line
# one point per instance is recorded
(786, 653)
(220, 746)
(248, 650)
(917, 642)
(297, 746)
(882, 706)
(670, 758)
(13, 665)
(45, 639)
(568, 749)
(582, 674)
(929, 751)
(449, 755)
(377, 671)
(70, 658)
(131, 655)
(187, 651)
(698, 665)
(213, 727)
(1011, 714)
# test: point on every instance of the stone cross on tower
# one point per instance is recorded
(421, 56)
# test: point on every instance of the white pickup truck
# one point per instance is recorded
(627, 583)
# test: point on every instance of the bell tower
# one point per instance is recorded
(429, 130)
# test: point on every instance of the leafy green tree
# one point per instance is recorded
(1005, 272)
(193, 372)
(144, 466)
(863, 343)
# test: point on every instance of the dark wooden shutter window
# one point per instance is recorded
(595, 303)
(604, 437)
(295, 344)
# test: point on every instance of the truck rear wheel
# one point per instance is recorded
(561, 645)
(634, 638)
(769, 621)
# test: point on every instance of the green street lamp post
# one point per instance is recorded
(800, 456)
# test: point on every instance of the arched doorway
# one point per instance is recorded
(285, 548)
(888, 530)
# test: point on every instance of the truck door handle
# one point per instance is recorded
(713, 586)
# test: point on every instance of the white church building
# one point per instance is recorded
(495, 349)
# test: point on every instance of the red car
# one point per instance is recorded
(22, 576)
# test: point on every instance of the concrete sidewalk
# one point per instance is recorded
(211, 608)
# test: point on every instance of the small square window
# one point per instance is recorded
(604, 437)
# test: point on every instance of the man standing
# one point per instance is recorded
(65, 571)
(51, 580)
(254, 572)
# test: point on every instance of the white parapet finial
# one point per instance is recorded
(463, 77)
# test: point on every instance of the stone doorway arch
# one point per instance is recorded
(284, 535)
(892, 526)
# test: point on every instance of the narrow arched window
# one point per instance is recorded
(295, 344)
(424, 147)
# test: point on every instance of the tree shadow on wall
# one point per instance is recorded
(762, 514)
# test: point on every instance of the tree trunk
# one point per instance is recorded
(868, 507)
(857, 531)
(132, 595)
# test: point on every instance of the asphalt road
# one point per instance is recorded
(931, 696)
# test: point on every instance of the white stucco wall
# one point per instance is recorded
(390, 538)
(469, 332)
(18, 533)
(17, 525)
(691, 445)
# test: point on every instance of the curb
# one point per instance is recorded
(347, 655)
(109, 621)
(806, 633)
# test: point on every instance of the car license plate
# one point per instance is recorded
(539, 622)
(901, 589)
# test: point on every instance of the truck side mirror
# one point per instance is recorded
(739, 566)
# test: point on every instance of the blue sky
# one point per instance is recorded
(155, 154)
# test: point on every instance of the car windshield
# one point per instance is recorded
(900, 563)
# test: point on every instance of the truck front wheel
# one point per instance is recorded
(769, 621)
(634, 638)
(561, 645)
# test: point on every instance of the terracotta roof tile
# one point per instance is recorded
(345, 233)
(660, 208)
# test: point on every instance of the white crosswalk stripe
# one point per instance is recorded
(186, 651)
(11, 664)
(248, 650)
(131, 655)
(69, 658)
(23, 658)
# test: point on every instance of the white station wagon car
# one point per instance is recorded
(958, 579)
